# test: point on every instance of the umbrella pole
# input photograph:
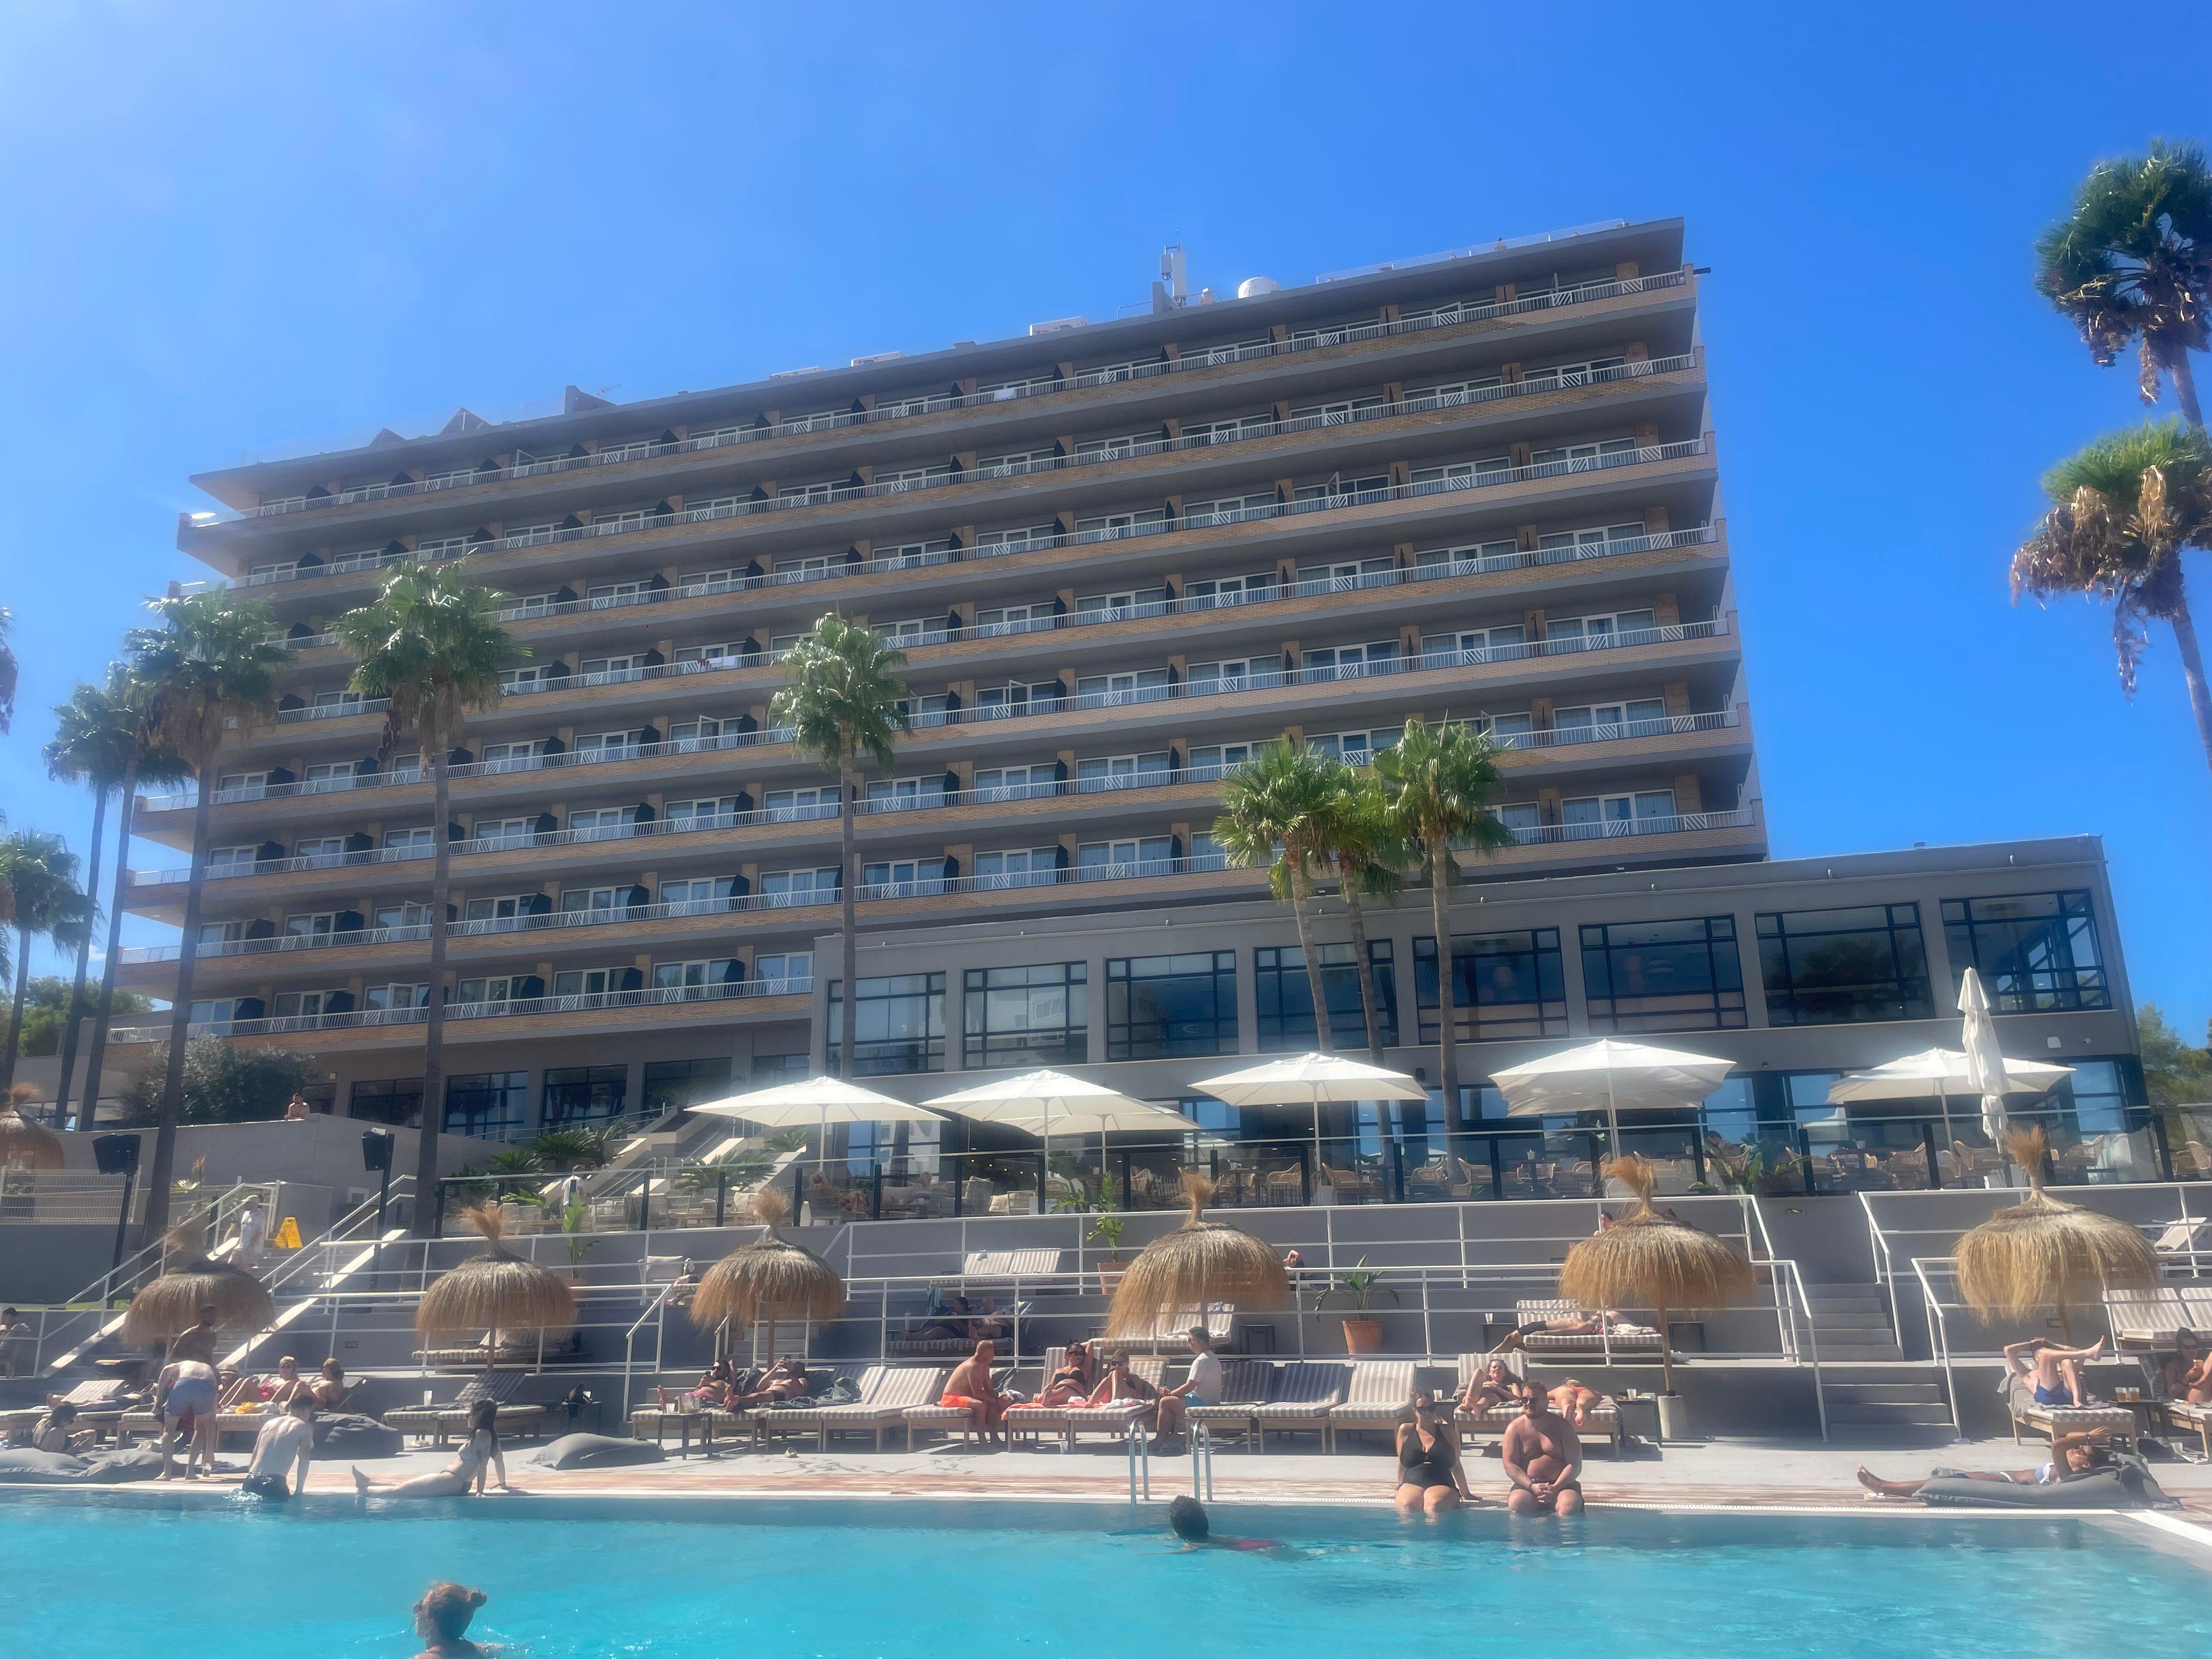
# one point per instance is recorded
(1612, 1119)
(1666, 1348)
(1320, 1172)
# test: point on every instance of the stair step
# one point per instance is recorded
(1924, 1416)
(1844, 1353)
(1886, 1394)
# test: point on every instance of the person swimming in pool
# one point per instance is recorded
(2053, 1373)
(478, 1459)
(1186, 1520)
(2070, 1454)
(441, 1620)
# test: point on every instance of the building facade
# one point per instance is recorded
(1118, 555)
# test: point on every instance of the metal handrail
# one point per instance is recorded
(908, 408)
(1940, 1330)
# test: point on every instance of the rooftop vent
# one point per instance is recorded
(1253, 286)
(789, 373)
(877, 357)
(1057, 326)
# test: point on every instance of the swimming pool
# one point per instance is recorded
(906, 1581)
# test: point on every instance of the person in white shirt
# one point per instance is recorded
(286, 1441)
(253, 1229)
(1201, 1388)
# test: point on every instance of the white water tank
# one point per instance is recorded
(1253, 286)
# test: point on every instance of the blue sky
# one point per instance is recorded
(239, 230)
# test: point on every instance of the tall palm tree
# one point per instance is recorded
(1274, 808)
(210, 676)
(2122, 510)
(845, 702)
(2134, 262)
(8, 671)
(430, 642)
(98, 740)
(1363, 847)
(41, 873)
(1441, 783)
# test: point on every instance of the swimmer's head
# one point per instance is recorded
(1186, 1520)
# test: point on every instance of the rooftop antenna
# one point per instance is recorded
(1172, 290)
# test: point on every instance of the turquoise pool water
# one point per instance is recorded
(885, 1581)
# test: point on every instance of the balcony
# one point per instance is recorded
(908, 408)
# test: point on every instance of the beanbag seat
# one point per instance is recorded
(346, 1434)
(595, 1451)
(109, 1468)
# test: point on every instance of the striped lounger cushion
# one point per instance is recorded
(2145, 1319)
(1244, 1385)
(896, 1388)
(2185, 1418)
(1376, 1397)
(1305, 1392)
(1114, 1418)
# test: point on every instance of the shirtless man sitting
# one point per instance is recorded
(971, 1389)
(1543, 1459)
(2053, 1373)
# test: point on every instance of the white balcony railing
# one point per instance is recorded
(1673, 824)
(909, 408)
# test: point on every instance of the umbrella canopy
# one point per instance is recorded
(1937, 1074)
(1040, 1101)
(1985, 1061)
(495, 1291)
(24, 1144)
(768, 1280)
(1653, 1259)
(1312, 1080)
(2043, 1254)
(191, 1279)
(1631, 1075)
(1199, 1263)
(817, 1103)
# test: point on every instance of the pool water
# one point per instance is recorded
(906, 1580)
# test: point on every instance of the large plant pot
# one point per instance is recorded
(1110, 1274)
(1363, 1336)
(1674, 1417)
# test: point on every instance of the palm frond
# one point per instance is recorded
(846, 700)
(209, 673)
(431, 642)
(1441, 784)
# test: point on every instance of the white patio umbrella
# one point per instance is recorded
(1936, 1074)
(1312, 1080)
(819, 1101)
(1039, 1100)
(1986, 1074)
(1633, 1075)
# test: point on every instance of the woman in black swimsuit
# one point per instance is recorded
(1431, 1478)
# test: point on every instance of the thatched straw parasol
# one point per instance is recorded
(1199, 1263)
(191, 1279)
(495, 1291)
(2043, 1254)
(25, 1144)
(770, 1279)
(1649, 1259)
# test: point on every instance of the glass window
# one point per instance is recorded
(1832, 967)
(672, 1085)
(584, 1094)
(1286, 997)
(901, 1022)
(1159, 1007)
(394, 1100)
(1663, 975)
(2037, 952)
(1031, 1016)
(783, 973)
(697, 981)
(2099, 1089)
(1506, 985)
(490, 1105)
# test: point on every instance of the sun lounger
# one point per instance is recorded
(955, 1347)
(440, 1423)
(1244, 1385)
(886, 1391)
(931, 1417)
(1031, 1421)
(1616, 1343)
(2047, 1420)
(1377, 1397)
(226, 1422)
(1040, 1262)
(1113, 1420)
(2183, 1242)
(2145, 1319)
(1304, 1392)
(1170, 1333)
(2185, 1418)
(1603, 1422)
(2196, 1306)
(518, 1354)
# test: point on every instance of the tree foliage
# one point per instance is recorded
(2174, 1072)
(46, 1004)
(222, 1085)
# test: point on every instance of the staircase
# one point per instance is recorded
(1852, 1323)
(1870, 1385)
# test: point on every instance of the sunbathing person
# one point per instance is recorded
(278, 1390)
(330, 1387)
(712, 1390)
(785, 1380)
(1074, 1380)
(184, 1398)
(1581, 1324)
(1543, 1459)
(59, 1430)
(441, 1620)
(2188, 1374)
(971, 1388)
(2053, 1373)
(479, 1456)
(1575, 1402)
(1124, 1383)
(2070, 1454)
(1432, 1476)
(1494, 1385)
(941, 1322)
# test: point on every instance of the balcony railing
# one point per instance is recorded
(908, 408)
(1673, 824)
(659, 996)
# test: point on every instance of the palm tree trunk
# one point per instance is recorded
(1306, 948)
(180, 1015)
(849, 1024)
(126, 811)
(2184, 389)
(16, 1004)
(83, 960)
(2192, 666)
(1355, 912)
(1447, 1003)
(429, 1199)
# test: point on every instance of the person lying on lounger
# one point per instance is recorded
(2053, 1373)
(1494, 1385)
(2070, 1454)
(784, 1380)
(1124, 1383)
(1077, 1376)
(330, 1387)
(1586, 1324)
(1543, 1459)
(278, 1390)
(971, 1389)
(711, 1392)
(1575, 1402)
(2188, 1374)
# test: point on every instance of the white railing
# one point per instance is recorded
(908, 408)
(1673, 824)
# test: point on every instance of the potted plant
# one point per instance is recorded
(1356, 1288)
(573, 1215)
(1106, 1228)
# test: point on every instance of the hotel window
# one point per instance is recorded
(1014, 541)
(444, 547)
(607, 595)
(890, 481)
(1663, 975)
(1490, 555)
(1124, 771)
(592, 982)
(1027, 1017)
(1592, 817)
(1205, 854)
(719, 653)
(609, 745)
(398, 913)
(901, 1023)
(417, 842)
(1107, 449)
(1228, 507)
(1505, 643)
(1607, 722)
(241, 785)
(595, 900)
(1122, 524)
(788, 971)
(1356, 748)
(907, 555)
(607, 669)
(1015, 698)
(1019, 866)
(489, 1105)
(1232, 674)
(348, 701)
(919, 631)
(1459, 390)
(584, 1094)
(1117, 607)
(1594, 539)
(1507, 730)
(1284, 996)
(505, 832)
(513, 754)
(602, 822)
(814, 801)
(799, 886)
(1338, 489)
(698, 896)
(702, 813)
(1229, 590)
(903, 877)
(320, 924)
(392, 997)
(811, 564)
(1349, 661)
(1016, 461)
(704, 731)
(326, 775)
(226, 933)
(806, 495)
(1834, 967)
(1172, 1006)
(1211, 760)
(534, 679)
(2037, 952)
(239, 860)
(1132, 855)
(1573, 457)
(321, 849)
(221, 1013)
(1016, 782)
(493, 993)
(530, 535)
(904, 794)
(1348, 572)
(2099, 1090)
(991, 620)
(697, 981)
(1335, 413)
(507, 907)
(714, 582)
(1576, 373)
(396, 1100)
(1596, 633)
(1506, 986)
(1196, 433)
(672, 1085)
(304, 1004)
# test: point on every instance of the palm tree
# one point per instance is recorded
(1274, 808)
(1361, 844)
(2134, 262)
(100, 738)
(1439, 783)
(845, 702)
(8, 671)
(41, 873)
(210, 676)
(430, 643)
(2122, 510)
